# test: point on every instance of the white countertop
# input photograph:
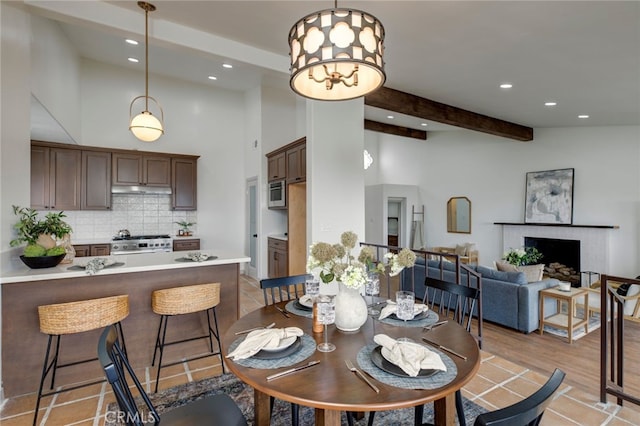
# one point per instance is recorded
(282, 237)
(14, 271)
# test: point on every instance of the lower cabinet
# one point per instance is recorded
(84, 250)
(278, 258)
(186, 245)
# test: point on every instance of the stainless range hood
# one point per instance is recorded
(137, 189)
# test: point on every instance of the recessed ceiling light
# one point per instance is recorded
(583, 116)
(213, 77)
(227, 65)
(390, 117)
(130, 41)
(423, 124)
(550, 103)
(506, 86)
(134, 60)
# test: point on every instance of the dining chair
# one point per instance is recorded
(283, 288)
(451, 301)
(218, 409)
(277, 290)
(527, 412)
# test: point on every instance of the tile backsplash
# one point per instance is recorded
(140, 214)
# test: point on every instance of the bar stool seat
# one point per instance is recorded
(181, 301)
(68, 318)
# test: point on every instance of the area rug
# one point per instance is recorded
(594, 324)
(243, 395)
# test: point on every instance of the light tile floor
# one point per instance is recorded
(498, 383)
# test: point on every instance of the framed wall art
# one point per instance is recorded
(549, 197)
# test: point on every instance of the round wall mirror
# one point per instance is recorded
(459, 215)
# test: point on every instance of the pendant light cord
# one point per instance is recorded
(146, 59)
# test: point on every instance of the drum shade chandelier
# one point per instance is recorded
(145, 126)
(336, 54)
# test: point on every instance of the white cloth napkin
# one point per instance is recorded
(410, 357)
(260, 339)
(418, 308)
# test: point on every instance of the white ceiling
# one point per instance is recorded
(583, 55)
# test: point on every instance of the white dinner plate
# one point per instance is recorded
(107, 262)
(284, 344)
(306, 301)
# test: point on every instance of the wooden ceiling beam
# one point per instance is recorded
(377, 126)
(406, 103)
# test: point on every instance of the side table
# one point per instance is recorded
(568, 321)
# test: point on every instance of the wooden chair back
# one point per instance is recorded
(527, 412)
(282, 289)
(447, 298)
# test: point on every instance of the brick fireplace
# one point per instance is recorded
(593, 242)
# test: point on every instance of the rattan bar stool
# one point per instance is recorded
(180, 301)
(71, 318)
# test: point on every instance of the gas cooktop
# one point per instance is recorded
(141, 237)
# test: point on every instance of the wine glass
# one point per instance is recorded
(372, 288)
(326, 315)
(405, 301)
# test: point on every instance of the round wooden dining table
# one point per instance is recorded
(331, 388)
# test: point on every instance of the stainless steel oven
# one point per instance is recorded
(277, 194)
(141, 244)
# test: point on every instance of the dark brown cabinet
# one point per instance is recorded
(146, 170)
(277, 166)
(184, 183)
(96, 180)
(55, 178)
(278, 263)
(84, 250)
(186, 244)
(297, 163)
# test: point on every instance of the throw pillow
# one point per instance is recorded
(461, 250)
(505, 267)
(492, 274)
(532, 272)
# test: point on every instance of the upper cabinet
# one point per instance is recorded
(184, 174)
(277, 166)
(96, 180)
(55, 178)
(297, 162)
(146, 170)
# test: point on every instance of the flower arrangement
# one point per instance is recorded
(336, 261)
(522, 256)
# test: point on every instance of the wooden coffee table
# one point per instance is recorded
(567, 321)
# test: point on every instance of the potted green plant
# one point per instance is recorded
(41, 250)
(185, 227)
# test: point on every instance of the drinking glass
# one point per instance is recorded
(326, 315)
(405, 301)
(372, 288)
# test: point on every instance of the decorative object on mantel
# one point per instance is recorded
(42, 250)
(145, 126)
(336, 54)
(335, 262)
(549, 197)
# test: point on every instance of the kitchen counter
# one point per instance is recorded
(23, 290)
(282, 237)
(14, 271)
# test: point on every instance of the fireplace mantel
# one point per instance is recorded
(558, 225)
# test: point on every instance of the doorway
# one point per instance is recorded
(252, 227)
(395, 222)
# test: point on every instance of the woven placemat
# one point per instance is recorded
(307, 349)
(291, 307)
(431, 318)
(436, 381)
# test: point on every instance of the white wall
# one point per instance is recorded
(491, 172)
(55, 74)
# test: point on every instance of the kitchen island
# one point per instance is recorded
(23, 290)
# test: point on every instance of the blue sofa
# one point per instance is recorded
(507, 298)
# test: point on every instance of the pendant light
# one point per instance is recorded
(145, 126)
(336, 54)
